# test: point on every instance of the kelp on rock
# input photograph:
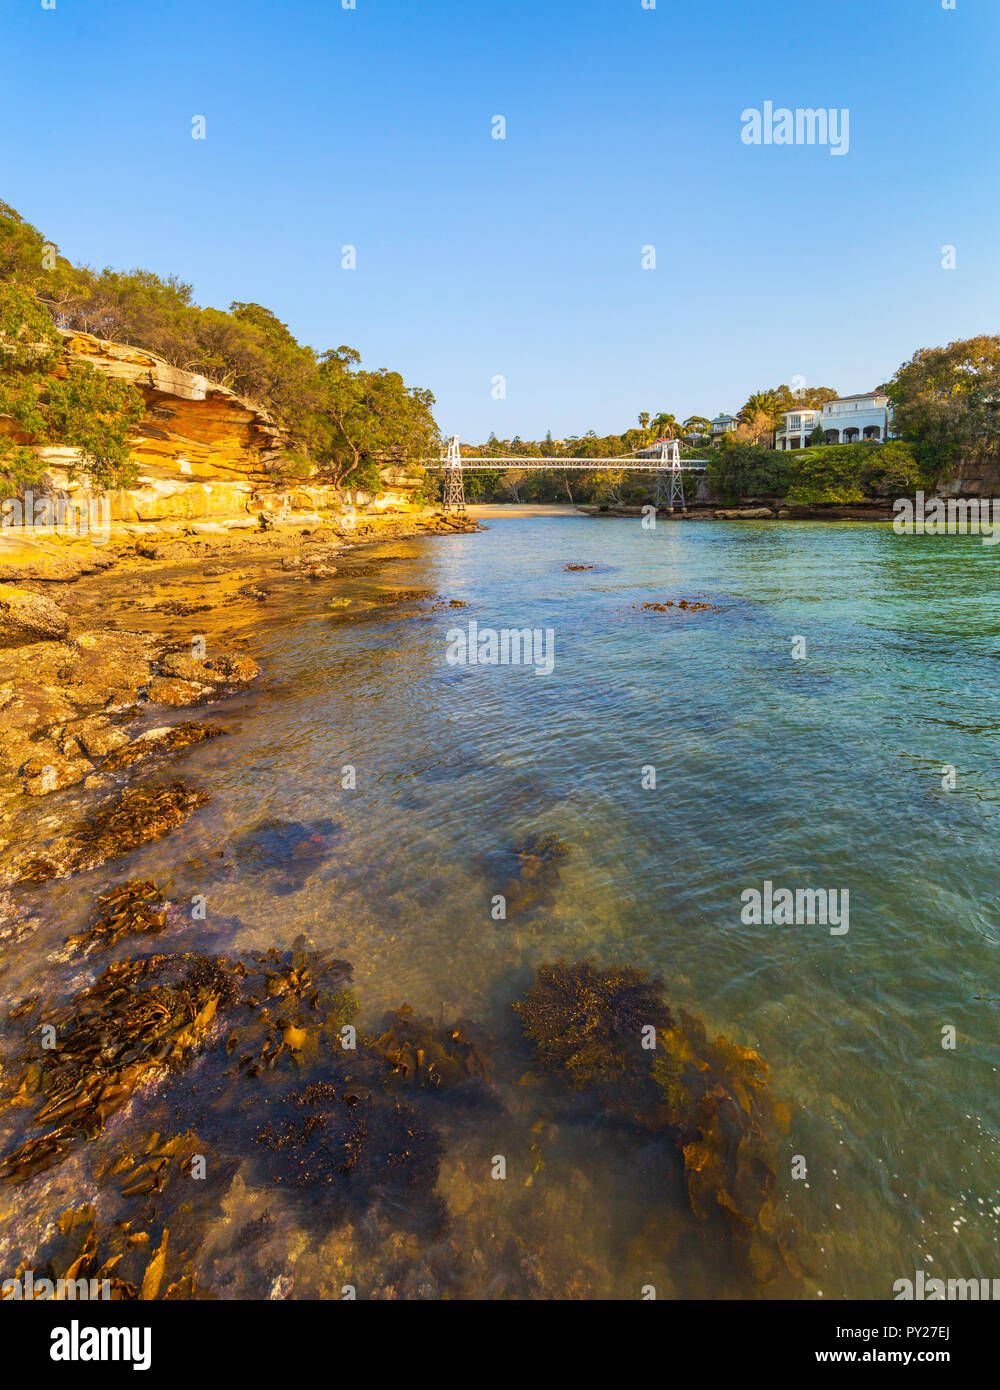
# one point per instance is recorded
(609, 1032)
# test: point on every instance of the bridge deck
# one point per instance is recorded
(632, 464)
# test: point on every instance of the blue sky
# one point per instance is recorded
(521, 258)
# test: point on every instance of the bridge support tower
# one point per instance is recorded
(454, 478)
(670, 479)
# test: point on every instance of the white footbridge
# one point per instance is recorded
(662, 459)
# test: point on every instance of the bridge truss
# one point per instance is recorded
(665, 462)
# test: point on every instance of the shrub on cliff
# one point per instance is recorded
(737, 471)
(26, 258)
(843, 474)
(46, 400)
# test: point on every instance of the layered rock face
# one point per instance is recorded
(203, 453)
(971, 480)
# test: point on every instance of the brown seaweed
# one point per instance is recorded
(425, 1056)
(710, 1097)
(174, 740)
(588, 1024)
(139, 1019)
(135, 817)
(715, 1097)
(131, 908)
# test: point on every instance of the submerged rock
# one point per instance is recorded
(288, 852)
(350, 1149)
(528, 874)
(135, 817)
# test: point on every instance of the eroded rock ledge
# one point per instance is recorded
(203, 452)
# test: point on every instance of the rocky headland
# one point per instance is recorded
(219, 512)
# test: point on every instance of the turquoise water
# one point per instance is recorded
(822, 772)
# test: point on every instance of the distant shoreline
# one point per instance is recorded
(521, 509)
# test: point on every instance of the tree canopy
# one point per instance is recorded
(947, 401)
(343, 422)
(45, 399)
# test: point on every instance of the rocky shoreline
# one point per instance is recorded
(756, 511)
(329, 1162)
(80, 674)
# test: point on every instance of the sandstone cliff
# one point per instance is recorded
(203, 453)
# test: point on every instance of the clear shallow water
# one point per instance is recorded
(817, 773)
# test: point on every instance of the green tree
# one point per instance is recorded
(946, 401)
(369, 420)
(738, 471)
(45, 400)
(854, 473)
(768, 403)
(665, 425)
(28, 259)
(285, 379)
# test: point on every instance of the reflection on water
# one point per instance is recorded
(369, 804)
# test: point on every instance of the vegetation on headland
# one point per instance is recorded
(946, 412)
(829, 474)
(63, 403)
(343, 422)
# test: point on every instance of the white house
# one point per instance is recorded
(796, 427)
(853, 418)
(845, 421)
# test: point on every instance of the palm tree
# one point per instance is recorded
(762, 403)
(665, 425)
(644, 419)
